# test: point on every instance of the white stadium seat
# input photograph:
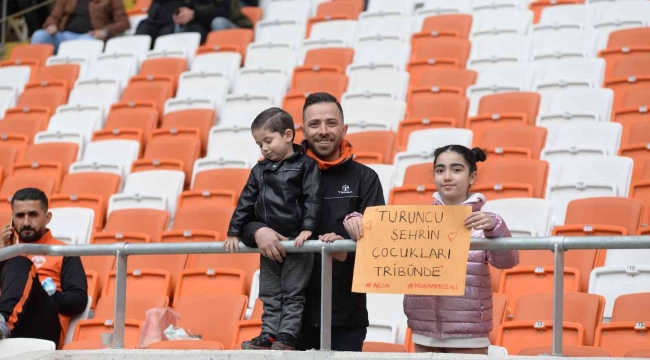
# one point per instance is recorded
(134, 21)
(113, 67)
(581, 138)
(626, 257)
(343, 32)
(562, 75)
(288, 10)
(585, 177)
(241, 110)
(499, 79)
(18, 346)
(355, 126)
(480, 6)
(187, 103)
(565, 16)
(373, 107)
(73, 121)
(92, 113)
(203, 85)
(136, 45)
(382, 50)
(385, 24)
(284, 31)
(180, 45)
(96, 92)
(575, 104)
(611, 282)
(113, 156)
(382, 331)
(501, 23)
(87, 48)
(14, 77)
(441, 7)
(62, 136)
(155, 189)
(526, 217)
(271, 56)
(268, 82)
(405, 7)
(489, 52)
(210, 163)
(386, 175)
(388, 307)
(557, 46)
(233, 144)
(226, 63)
(72, 225)
(618, 15)
(378, 78)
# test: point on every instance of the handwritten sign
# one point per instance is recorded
(413, 249)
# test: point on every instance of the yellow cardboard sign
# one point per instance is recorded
(413, 249)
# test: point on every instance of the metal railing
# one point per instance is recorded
(558, 244)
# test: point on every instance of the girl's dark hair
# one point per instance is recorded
(275, 120)
(471, 156)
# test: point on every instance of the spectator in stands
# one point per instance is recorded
(174, 16)
(461, 324)
(235, 20)
(289, 200)
(38, 306)
(82, 19)
(348, 189)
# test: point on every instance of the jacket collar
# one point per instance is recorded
(475, 200)
(297, 150)
(347, 152)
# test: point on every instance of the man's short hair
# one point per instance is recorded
(275, 120)
(27, 194)
(319, 98)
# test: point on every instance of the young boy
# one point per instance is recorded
(284, 192)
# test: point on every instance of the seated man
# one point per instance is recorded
(234, 21)
(27, 309)
(82, 19)
(173, 16)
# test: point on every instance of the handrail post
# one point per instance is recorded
(326, 300)
(120, 300)
(3, 29)
(558, 299)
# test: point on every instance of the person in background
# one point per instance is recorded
(174, 16)
(82, 19)
(235, 20)
(461, 324)
(348, 189)
(38, 297)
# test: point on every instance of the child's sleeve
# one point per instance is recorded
(245, 211)
(313, 195)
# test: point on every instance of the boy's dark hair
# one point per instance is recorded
(319, 98)
(30, 194)
(471, 156)
(275, 120)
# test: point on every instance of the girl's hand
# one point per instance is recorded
(479, 221)
(354, 226)
(304, 235)
(232, 244)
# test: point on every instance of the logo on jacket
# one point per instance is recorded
(38, 261)
(345, 189)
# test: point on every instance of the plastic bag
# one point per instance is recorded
(157, 320)
(177, 333)
(49, 286)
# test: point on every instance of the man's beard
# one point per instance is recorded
(33, 237)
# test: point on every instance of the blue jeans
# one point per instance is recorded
(43, 37)
(222, 23)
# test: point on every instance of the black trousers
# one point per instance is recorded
(26, 307)
(154, 29)
(343, 338)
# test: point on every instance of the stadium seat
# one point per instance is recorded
(134, 45)
(502, 110)
(233, 144)
(501, 23)
(217, 62)
(77, 123)
(512, 179)
(638, 151)
(48, 95)
(499, 307)
(386, 175)
(576, 104)
(92, 279)
(538, 6)
(34, 52)
(567, 350)
(379, 79)
(136, 306)
(525, 217)
(421, 144)
(351, 8)
(152, 189)
(489, 52)
(581, 308)
(373, 147)
(139, 116)
(230, 39)
(409, 125)
(11, 184)
(289, 31)
(66, 73)
(612, 17)
(419, 174)
(192, 310)
(143, 90)
(330, 32)
(91, 330)
(248, 263)
(568, 74)
(261, 81)
(641, 190)
(50, 159)
(624, 43)
(245, 330)
(336, 57)
(25, 122)
(175, 236)
(513, 142)
(180, 45)
(319, 79)
(187, 344)
(64, 136)
(203, 120)
(567, 16)
(449, 109)
(627, 73)
(8, 156)
(275, 56)
(373, 23)
(114, 156)
(387, 308)
(172, 67)
(623, 337)
(215, 218)
(580, 177)
(633, 110)
(447, 80)
(117, 237)
(12, 83)
(141, 281)
(210, 281)
(517, 335)
(404, 7)
(72, 225)
(375, 107)
(147, 221)
(382, 49)
(288, 11)
(240, 110)
(293, 104)
(498, 79)
(427, 46)
(217, 197)
(220, 179)
(254, 13)
(200, 89)
(614, 281)
(453, 25)
(629, 307)
(562, 46)
(86, 48)
(580, 138)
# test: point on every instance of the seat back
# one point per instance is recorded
(222, 179)
(628, 308)
(247, 263)
(374, 147)
(351, 9)
(513, 142)
(215, 218)
(445, 78)
(67, 73)
(146, 221)
(512, 179)
(567, 350)
(210, 281)
(153, 92)
(94, 328)
(36, 52)
(428, 104)
(200, 119)
(517, 335)
(336, 57)
(46, 94)
(141, 281)
(426, 46)
(136, 306)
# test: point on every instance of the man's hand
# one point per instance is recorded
(51, 29)
(184, 16)
(232, 244)
(7, 236)
(354, 227)
(268, 241)
(101, 34)
(304, 235)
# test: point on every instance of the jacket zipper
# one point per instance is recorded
(266, 218)
(438, 320)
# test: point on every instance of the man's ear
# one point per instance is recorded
(48, 217)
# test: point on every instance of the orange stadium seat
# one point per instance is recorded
(14, 140)
(244, 331)
(512, 179)
(49, 159)
(174, 236)
(154, 91)
(499, 307)
(375, 346)
(456, 80)
(623, 337)
(567, 350)
(171, 149)
(330, 57)
(27, 128)
(148, 221)
(88, 189)
(133, 115)
(517, 335)
(201, 312)
(411, 195)
(47, 95)
(172, 265)
(631, 307)
(409, 125)
(136, 306)
(419, 174)
(66, 73)
(453, 25)
(426, 103)
(417, 69)
(221, 179)
(373, 147)
(91, 330)
(348, 8)
(623, 44)
(201, 119)
(539, 5)
(639, 152)
(186, 344)
(258, 310)
(210, 281)
(584, 309)
(141, 281)
(172, 67)
(645, 353)
(140, 7)
(99, 344)
(628, 73)
(501, 110)
(92, 280)
(254, 13)
(35, 52)
(14, 183)
(45, 169)
(641, 190)
(38, 116)
(428, 46)
(248, 263)
(8, 156)
(207, 198)
(216, 218)
(634, 110)
(312, 79)
(513, 142)
(231, 39)
(293, 104)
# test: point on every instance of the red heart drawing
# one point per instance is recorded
(452, 236)
(368, 225)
